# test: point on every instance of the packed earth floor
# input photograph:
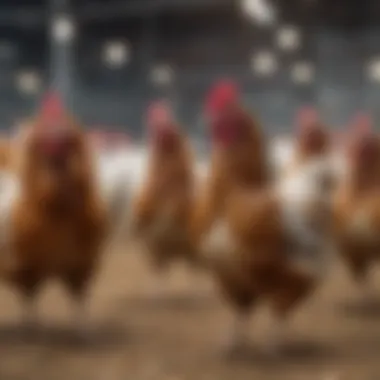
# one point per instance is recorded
(176, 336)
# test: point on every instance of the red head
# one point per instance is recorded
(307, 119)
(52, 108)
(223, 95)
(362, 122)
(360, 129)
(311, 134)
(52, 127)
(363, 144)
(223, 112)
(364, 150)
(161, 125)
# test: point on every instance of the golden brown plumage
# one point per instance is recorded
(243, 161)
(238, 222)
(357, 206)
(162, 206)
(58, 222)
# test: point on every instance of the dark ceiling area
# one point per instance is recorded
(196, 42)
(332, 13)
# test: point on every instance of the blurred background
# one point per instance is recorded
(109, 58)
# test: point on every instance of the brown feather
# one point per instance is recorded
(51, 241)
(161, 209)
(357, 207)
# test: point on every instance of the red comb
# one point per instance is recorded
(159, 113)
(52, 107)
(221, 95)
(362, 123)
(306, 117)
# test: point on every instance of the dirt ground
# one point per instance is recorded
(178, 337)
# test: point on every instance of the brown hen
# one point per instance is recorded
(357, 205)
(238, 219)
(58, 221)
(162, 206)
